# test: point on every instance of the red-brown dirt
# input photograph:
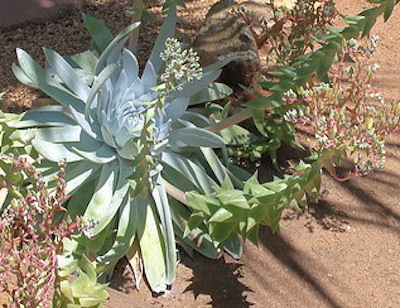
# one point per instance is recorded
(342, 252)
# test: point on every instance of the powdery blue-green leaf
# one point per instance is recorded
(151, 245)
(176, 108)
(126, 231)
(55, 152)
(102, 154)
(67, 74)
(194, 137)
(67, 133)
(189, 171)
(101, 198)
(44, 116)
(22, 76)
(78, 174)
(114, 48)
(106, 214)
(164, 213)
(40, 79)
(100, 79)
(91, 130)
(193, 87)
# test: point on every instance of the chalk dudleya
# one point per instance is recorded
(122, 135)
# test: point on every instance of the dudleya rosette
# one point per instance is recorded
(118, 130)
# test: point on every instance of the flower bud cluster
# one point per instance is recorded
(348, 114)
(180, 65)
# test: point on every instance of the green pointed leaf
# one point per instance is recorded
(100, 33)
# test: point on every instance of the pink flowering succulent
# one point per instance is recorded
(31, 237)
(349, 119)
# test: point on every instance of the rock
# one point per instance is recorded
(223, 34)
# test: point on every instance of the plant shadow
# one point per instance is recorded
(219, 279)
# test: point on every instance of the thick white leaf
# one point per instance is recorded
(194, 137)
(43, 117)
(151, 245)
(164, 212)
(92, 129)
(67, 74)
(149, 77)
(102, 196)
(99, 81)
(79, 173)
(107, 136)
(21, 76)
(130, 64)
(195, 86)
(119, 194)
(55, 152)
(114, 48)
(189, 171)
(40, 79)
(100, 155)
(176, 108)
(125, 232)
(66, 133)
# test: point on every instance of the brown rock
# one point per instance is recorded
(225, 34)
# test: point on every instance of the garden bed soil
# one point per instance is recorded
(343, 251)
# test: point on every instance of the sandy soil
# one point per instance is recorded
(342, 252)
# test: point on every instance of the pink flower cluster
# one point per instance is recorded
(32, 238)
(347, 116)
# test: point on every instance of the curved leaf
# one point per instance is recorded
(194, 137)
(164, 212)
(101, 198)
(100, 33)
(151, 245)
(67, 74)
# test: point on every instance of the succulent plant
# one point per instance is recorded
(124, 138)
